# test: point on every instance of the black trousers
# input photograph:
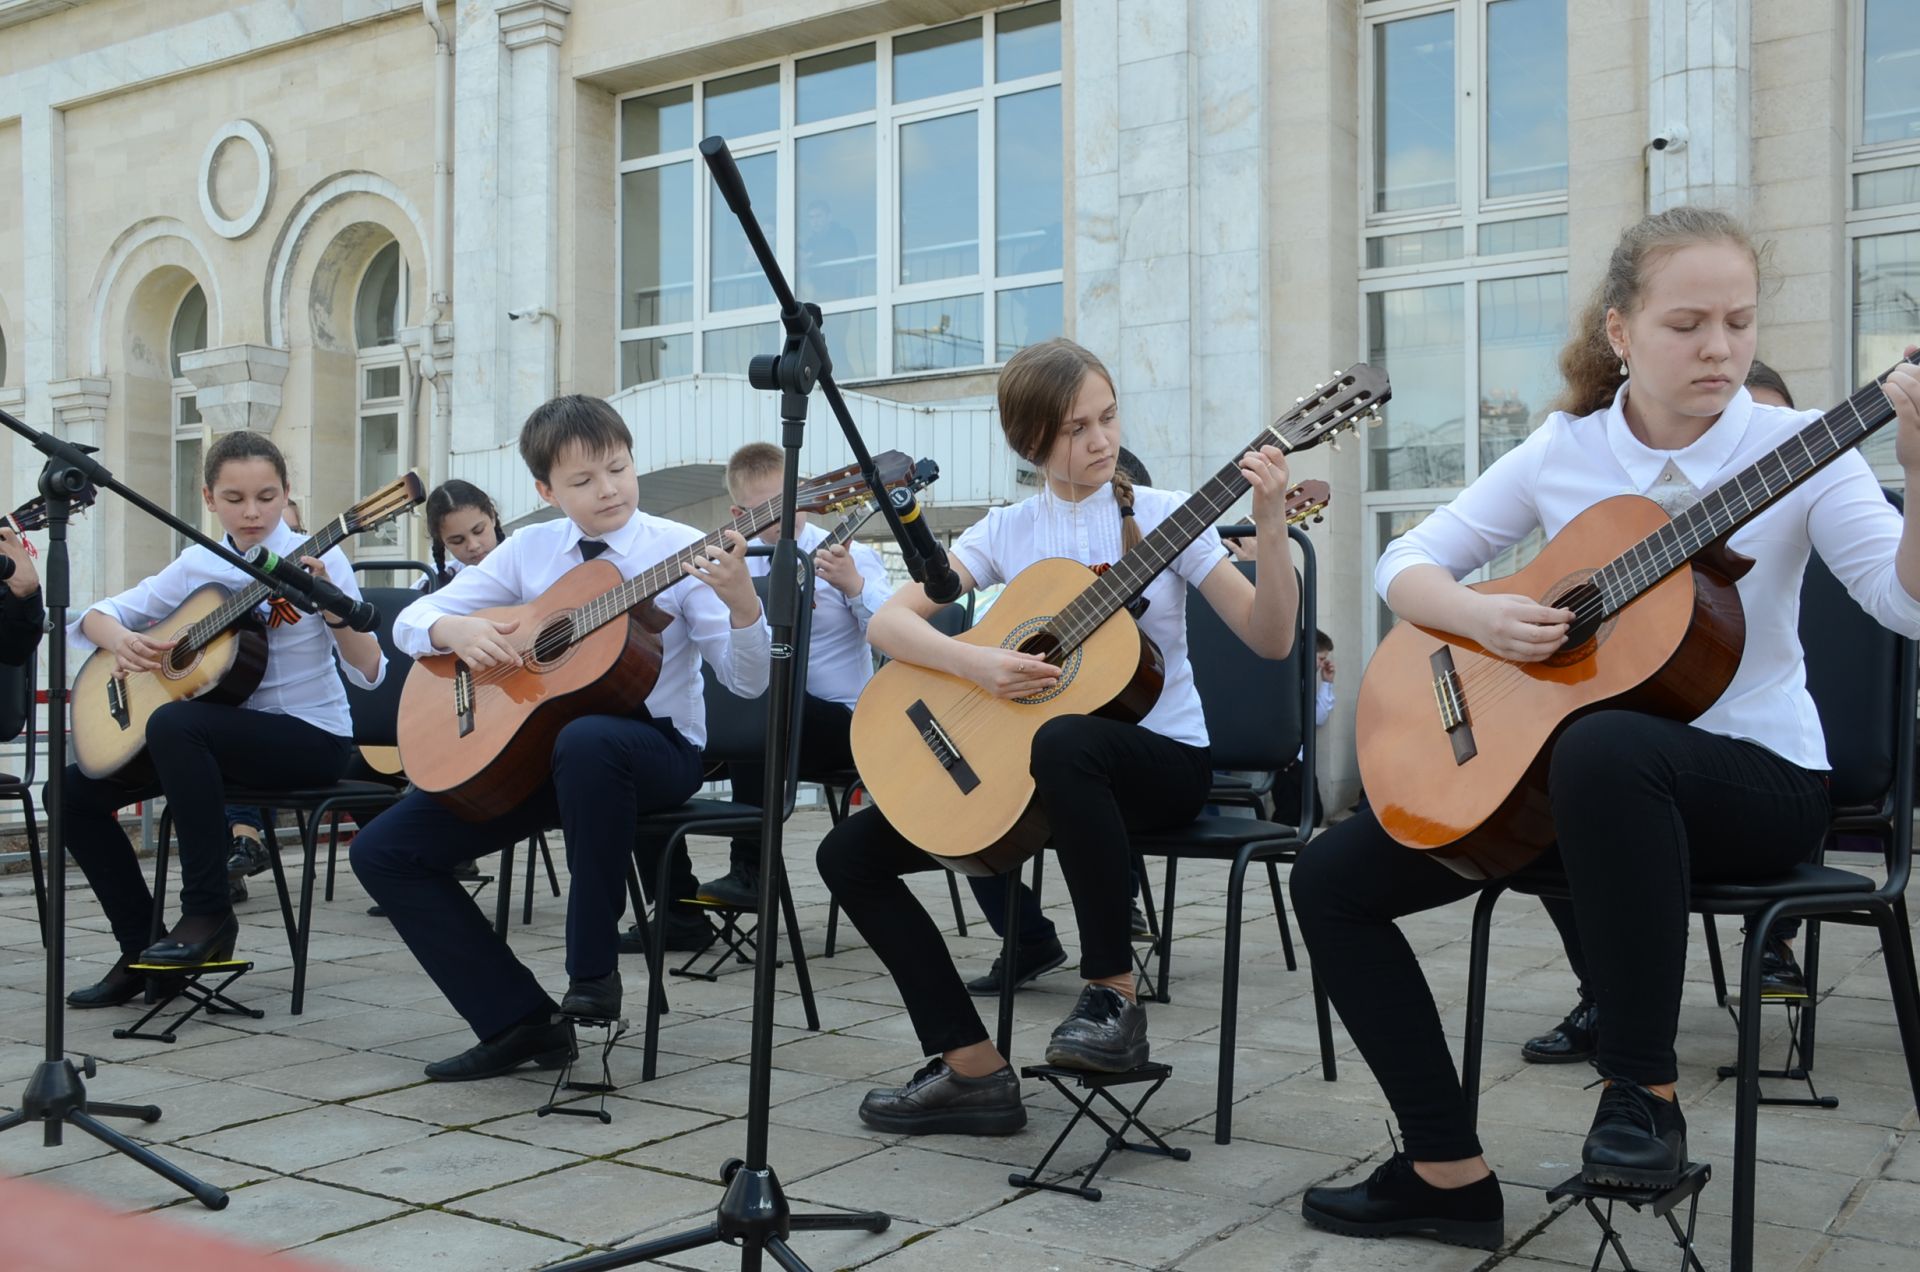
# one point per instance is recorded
(1096, 780)
(607, 770)
(196, 748)
(1643, 806)
(826, 750)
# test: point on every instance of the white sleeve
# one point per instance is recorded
(340, 570)
(974, 549)
(487, 585)
(1322, 703)
(1857, 533)
(142, 605)
(739, 655)
(877, 590)
(1483, 520)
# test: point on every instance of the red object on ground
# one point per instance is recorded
(49, 1229)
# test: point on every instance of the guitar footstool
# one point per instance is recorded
(1661, 1200)
(1097, 1086)
(563, 1081)
(172, 983)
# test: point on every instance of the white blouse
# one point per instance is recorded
(533, 558)
(300, 679)
(1567, 465)
(1008, 540)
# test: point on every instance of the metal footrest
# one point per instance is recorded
(172, 983)
(563, 1081)
(734, 941)
(1662, 1201)
(1096, 1086)
(1791, 1070)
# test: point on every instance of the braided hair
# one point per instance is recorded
(448, 498)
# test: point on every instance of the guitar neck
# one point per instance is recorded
(250, 597)
(655, 579)
(1746, 495)
(845, 531)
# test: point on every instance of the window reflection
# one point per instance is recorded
(930, 63)
(741, 105)
(655, 358)
(656, 124)
(656, 246)
(1026, 42)
(834, 84)
(737, 281)
(851, 341)
(834, 201)
(1891, 106)
(1419, 337)
(1413, 114)
(940, 198)
(1028, 198)
(937, 334)
(1523, 323)
(1886, 313)
(729, 350)
(1023, 316)
(1526, 97)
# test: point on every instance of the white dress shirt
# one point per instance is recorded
(1008, 540)
(532, 559)
(839, 662)
(1567, 465)
(300, 680)
(453, 567)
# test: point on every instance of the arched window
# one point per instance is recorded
(379, 312)
(189, 434)
(3, 356)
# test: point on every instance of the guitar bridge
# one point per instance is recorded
(463, 697)
(945, 753)
(117, 706)
(1450, 696)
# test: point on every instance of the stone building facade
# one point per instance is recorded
(383, 231)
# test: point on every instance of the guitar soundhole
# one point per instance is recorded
(180, 661)
(555, 640)
(1590, 618)
(1043, 644)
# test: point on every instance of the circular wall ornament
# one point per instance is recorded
(248, 133)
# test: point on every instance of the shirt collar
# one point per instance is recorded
(1699, 463)
(281, 541)
(621, 542)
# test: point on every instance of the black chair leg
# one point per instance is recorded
(953, 890)
(1746, 1115)
(1902, 981)
(1009, 955)
(657, 960)
(1323, 1022)
(1713, 959)
(1280, 914)
(162, 850)
(799, 954)
(1810, 1010)
(546, 855)
(1155, 928)
(833, 928)
(303, 935)
(333, 845)
(1476, 1024)
(39, 871)
(1230, 1000)
(503, 899)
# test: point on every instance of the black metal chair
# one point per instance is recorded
(736, 730)
(17, 720)
(375, 717)
(949, 620)
(1863, 679)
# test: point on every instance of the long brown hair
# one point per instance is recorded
(1037, 389)
(1588, 363)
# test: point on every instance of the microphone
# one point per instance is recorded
(934, 573)
(361, 616)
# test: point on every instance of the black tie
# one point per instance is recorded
(591, 548)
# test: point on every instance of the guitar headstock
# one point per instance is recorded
(397, 496)
(1338, 404)
(844, 487)
(32, 515)
(1308, 501)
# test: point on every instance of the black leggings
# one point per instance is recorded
(195, 748)
(1643, 806)
(1096, 780)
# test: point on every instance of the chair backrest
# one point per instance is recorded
(16, 697)
(376, 712)
(383, 565)
(1259, 711)
(953, 618)
(1862, 679)
(737, 727)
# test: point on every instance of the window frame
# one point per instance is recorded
(184, 395)
(379, 358)
(887, 120)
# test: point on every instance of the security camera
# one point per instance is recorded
(514, 315)
(1669, 140)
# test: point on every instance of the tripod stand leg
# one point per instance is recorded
(206, 1194)
(658, 1249)
(783, 1255)
(858, 1221)
(145, 1112)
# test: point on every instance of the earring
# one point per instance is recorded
(1623, 368)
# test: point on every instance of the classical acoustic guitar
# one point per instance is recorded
(925, 473)
(947, 761)
(32, 515)
(1454, 741)
(220, 652)
(482, 741)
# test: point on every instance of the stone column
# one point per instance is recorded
(77, 411)
(531, 31)
(239, 385)
(1698, 72)
(479, 248)
(43, 309)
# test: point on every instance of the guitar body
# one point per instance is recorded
(973, 807)
(488, 763)
(110, 719)
(1671, 652)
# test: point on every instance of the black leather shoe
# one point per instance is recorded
(1780, 974)
(195, 939)
(1394, 1200)
(1574, 1039)
(548, 1046)
(247, 856)
(737, 888)
(689, 933)
(596, 999)
(118, 986)
(1638, 1140)
(939, 1101)
(1031, 963)
(1106, 1033)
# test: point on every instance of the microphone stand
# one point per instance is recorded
(56, 1095)
(753, 1212)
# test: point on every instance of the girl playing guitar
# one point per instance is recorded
(1653, 405)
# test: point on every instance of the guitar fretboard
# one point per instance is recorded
(1744, 496)
(250, 597)
(655, 579)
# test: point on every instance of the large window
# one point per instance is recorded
(1883, 223)
(911, 186)
(187, 335)
(379, 311)
(1463, 290)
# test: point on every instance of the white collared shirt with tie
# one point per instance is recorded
(839, 660)
(532, 559)
(1567, 465)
